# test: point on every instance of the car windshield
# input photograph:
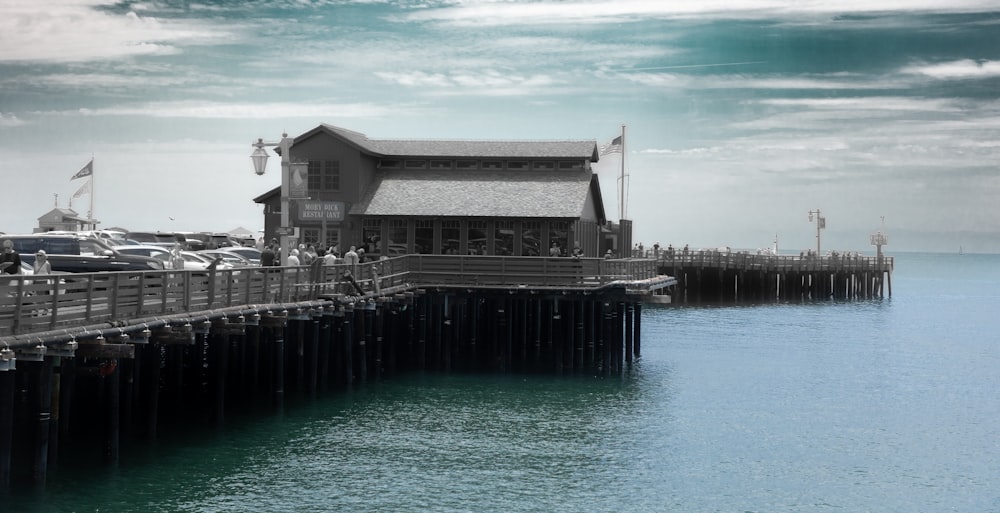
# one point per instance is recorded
(93, 247)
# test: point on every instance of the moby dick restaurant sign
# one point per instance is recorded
(321, 210)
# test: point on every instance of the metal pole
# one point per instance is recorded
(819, 225)
(819, 221)
(286, 170)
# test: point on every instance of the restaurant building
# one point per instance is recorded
(461, 197)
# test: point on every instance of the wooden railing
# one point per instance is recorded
(777, 263)
(31, 304)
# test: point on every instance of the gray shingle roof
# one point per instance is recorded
(466, 148)
(552, 195)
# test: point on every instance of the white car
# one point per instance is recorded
(192, 260)
(233, 259)
(250, 254)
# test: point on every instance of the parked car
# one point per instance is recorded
(251, 254)
(192, 260)
(203, 260)
(227, 256)
(165, 239)
(79, 254)
(149, 250)
(192, 241)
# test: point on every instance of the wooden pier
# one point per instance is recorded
(93, 361)
(715, 276)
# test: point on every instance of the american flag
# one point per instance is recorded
(615, 146)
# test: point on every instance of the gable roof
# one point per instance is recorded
(433, 148)
(67, 214)
(475, 195)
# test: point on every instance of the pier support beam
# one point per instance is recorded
(6, 425)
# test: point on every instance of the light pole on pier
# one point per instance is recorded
(879, 239)
(259, 158)
(820, 225)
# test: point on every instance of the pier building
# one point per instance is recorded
(457, 197)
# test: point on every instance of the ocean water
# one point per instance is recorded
(888, 405)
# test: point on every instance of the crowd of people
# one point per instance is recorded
(307, 254)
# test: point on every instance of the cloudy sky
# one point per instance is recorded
(741, 115)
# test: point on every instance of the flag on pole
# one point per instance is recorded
(615, 146)
(84, 189)
(86, 171)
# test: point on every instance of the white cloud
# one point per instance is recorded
(77, 31)
(484, 82)
(9, 120)
(871, 103)
(210, 110)
(961, 69)
(833, 81)
(493, 12)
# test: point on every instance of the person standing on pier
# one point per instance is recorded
(330, 258)
(267, 256)
(554, 251)
(11, 258)
(351, 258)
(176, 259)
(293, 258)
(42, 265)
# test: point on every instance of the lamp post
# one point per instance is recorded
(259, 158)
(879, 239)
(820, 225)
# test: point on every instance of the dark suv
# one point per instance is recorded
(79, 254)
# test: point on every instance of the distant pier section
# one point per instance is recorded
(724, 276)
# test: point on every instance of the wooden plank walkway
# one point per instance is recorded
(62, 302)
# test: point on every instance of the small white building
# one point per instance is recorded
(63, 219)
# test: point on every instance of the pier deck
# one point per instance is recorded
(716, 276)
(95, 361)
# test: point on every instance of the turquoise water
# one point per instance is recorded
(889, 406)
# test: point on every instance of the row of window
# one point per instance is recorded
(488, 165)
(452, 237)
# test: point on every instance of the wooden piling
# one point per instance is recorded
(6, 425)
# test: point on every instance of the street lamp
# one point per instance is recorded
(820, 225)
(259, 159)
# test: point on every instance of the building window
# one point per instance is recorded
(324, 175)
(440, 164)
(397, 244)
(504, 239)
(543, 165)
(466, 165)
(531, 238)
(517, 164)
(559, 234)
(423, 236)
(310, 237)
(451, 234)
(492, 164)
(415, 164)
(388, 164)
(569, 165)
(372, 233)
(476, 236)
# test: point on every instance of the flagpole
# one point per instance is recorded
(621, 201)
(90, 214)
